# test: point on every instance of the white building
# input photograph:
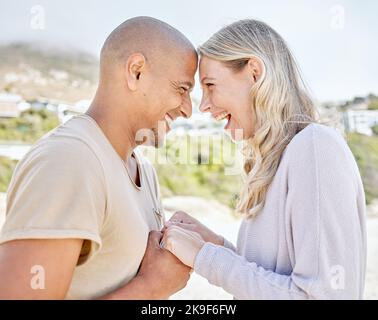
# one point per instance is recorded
(9, 105)
(67, 111)
(360, 121)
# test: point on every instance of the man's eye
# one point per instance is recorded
(183, 89)
(209, 84)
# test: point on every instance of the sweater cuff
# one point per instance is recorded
(228, 244)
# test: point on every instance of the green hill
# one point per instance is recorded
(365, 150)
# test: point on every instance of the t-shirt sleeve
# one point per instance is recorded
(57, 192)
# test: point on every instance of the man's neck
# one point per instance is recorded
(118, 134)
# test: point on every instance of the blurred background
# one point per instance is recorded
(49, 53)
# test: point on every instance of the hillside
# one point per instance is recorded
(36, 72)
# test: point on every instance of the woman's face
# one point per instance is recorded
(226, 95)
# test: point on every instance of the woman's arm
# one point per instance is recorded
(243, 279)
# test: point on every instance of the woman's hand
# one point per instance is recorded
(185, 221)
(183, 243)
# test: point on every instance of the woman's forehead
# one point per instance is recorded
(210, 68)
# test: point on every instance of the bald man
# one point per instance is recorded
(83, 209)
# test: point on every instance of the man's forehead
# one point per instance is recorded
(187, 70)
(179, 67)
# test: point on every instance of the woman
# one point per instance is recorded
(303, 234)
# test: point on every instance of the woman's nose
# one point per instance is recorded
(204, 106)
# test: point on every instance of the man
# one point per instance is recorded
(83, 209)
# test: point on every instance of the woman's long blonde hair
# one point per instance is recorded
(279, 101)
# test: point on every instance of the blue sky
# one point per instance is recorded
(335, 42)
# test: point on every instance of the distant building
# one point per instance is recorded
(82, 105)
(360, 121)
(67, 111)
(358, 103)
(9, 105)
(38, 105)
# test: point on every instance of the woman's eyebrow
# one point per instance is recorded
(207, 78)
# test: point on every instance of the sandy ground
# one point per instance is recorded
(220, 219)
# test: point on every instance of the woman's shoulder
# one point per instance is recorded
(320, 145)
(316, 135)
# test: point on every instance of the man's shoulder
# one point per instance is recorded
(56, 152)
(65, 141)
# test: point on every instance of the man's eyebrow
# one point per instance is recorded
(188, 84)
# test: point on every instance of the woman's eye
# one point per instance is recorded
(209, 85)
(183, 90)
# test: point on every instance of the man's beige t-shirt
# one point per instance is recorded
(73, 184)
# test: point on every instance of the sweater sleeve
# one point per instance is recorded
(325, 227)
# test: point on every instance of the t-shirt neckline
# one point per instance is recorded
(139, 168)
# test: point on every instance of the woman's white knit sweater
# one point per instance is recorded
(309, 241)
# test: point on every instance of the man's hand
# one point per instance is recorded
(160, 275)
(161, 270)
(184, 220)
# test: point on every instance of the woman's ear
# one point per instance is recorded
(256, 68)
(134, 67)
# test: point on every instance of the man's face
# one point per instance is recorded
(167, 93)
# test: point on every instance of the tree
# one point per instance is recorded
(375, 129)
(373, 104)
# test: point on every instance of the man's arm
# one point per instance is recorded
(37, 269)
(43, 269)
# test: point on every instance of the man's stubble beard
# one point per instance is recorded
(153, 137)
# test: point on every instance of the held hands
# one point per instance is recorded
(183, 243)
(153, 270)
(184, 236)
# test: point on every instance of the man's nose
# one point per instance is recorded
(186, 108)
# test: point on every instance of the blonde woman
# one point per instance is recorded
(303, 235)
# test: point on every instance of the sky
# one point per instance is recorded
(334, 42)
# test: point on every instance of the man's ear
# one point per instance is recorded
(135, 65)
(256, 68)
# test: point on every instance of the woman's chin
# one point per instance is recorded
(236, 134)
